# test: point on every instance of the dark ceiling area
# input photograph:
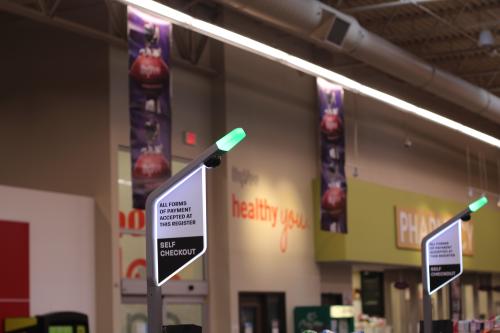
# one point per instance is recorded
(459, 36)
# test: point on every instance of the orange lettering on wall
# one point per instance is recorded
(260, 210)
(290, 220)
(135, 220)
(121, 218)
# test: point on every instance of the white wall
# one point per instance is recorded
(54, 129)
(435, 164)
(276, 107)
(337, 278)
(62, 265)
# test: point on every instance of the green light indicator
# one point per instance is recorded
(476, 205)
(231, 139)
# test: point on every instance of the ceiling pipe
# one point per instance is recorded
(336, 31)
(300, 16)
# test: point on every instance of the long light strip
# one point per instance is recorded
(302, 65)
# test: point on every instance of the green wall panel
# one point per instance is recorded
(371, 236)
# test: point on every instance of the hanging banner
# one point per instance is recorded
(332, 146)
(149, 103)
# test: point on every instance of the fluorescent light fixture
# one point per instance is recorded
(302, 65)
(231, 139)
(476, 205)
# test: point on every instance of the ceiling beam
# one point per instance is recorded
(440, 36)
(57, 22)
(451, 25)
(404, 17)
(43, 6)
(384, 5)
(460, 52)
(482, 73)
(459, 58)
(473, 29)
(190, 4)
(86, 31)
(53, 9)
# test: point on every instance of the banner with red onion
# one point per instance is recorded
(332, 146)
(149, 103)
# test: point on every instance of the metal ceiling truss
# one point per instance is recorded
(461, 7)
(373, 19)
(385, 5)
(443, 32)
(447, 23)
(434, 35)
(117, 18)
(44, 11)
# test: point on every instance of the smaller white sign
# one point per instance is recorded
(444, 256)
(341, 311)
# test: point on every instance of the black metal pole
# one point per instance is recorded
(210, 158)
(427, 300)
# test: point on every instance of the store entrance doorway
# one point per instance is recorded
(262, 312)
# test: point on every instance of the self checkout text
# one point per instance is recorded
(167, 249)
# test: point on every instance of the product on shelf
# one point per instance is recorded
(491, 325)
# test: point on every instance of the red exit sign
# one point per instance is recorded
(190, 138)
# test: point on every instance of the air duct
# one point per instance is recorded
(291, 14)
(332, 29)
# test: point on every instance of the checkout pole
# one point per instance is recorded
(166, 246)
(442, 257)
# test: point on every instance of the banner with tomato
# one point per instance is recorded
(332, 146)
(149, 103)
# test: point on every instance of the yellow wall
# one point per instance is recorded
(372, 228)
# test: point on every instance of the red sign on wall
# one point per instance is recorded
(14, 276)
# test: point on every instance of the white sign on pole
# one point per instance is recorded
(444, 256)
(179, 225)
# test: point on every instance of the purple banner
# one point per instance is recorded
(332, 145)
(149, 103)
